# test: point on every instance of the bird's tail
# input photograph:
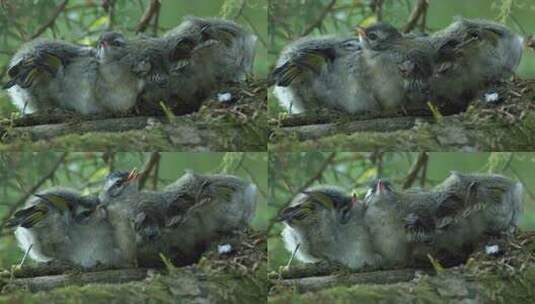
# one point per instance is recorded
(28, 217)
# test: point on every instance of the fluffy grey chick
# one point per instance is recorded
(61, 225)
(473, 54)
(179, 221)
(397, 67)
(324, 72)
(325, 225)
(223, 48)
(47, 74)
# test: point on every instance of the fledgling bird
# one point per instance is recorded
(179, 221)
(397, 67)
(322, 73)
(63, 226)
(325, 225)
(53, 74)
(120, 61)
(223, 48)
(495, 200)
(472, 55)
(405, 224)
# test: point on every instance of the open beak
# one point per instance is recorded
(380, 188)
(355, 200)
(361, 32)
(133, 175)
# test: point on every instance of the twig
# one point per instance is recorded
(153, 161)
(156, 23)
(319, 20)
(417, 12)
(50, 21)
(150, 12)
(155, 176)
(23, 199)
(418, 165)
(377, 8)
(111, 14)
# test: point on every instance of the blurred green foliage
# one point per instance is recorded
(290, 172)
(82, 21)
(85, 171)
(291, 19)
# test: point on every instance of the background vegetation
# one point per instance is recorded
(20, 173)
(292, 19)
(82, 21)
(291, 173)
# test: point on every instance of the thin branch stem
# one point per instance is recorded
(150, 12)
(318, 21)
(418, 165)
(50, 21)
(419, 10)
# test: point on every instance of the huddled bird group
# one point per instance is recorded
(382, 70)
(182, 68)
(391, 228)
(124, 226)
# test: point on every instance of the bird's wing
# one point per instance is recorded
(28, 217)
(304, 60)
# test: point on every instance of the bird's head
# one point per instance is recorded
(119, 183)
(379, 189)
(111, 46)
(379, 36)
(315, 206)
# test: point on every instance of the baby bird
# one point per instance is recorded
(61, 225)
(494, 200)
(325, 225)
(179, 221)
(472, 55)
(324, 72)
(397, 67)
(46, 75)
(119, 86)
(223, 48)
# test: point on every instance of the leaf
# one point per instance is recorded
(102, 21)
(436, 264)
(369, 21)
(436, 112)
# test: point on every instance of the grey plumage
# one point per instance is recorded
(47, 74)
(397, 67)
(324, 72)
(181, 220)
(61, 225)
(328, 226)
(473, 54)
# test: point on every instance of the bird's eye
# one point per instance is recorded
(474, 35)
(372, 36)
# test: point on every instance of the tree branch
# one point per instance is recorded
(150, 12)
(50, 21)
(318, 21)
(377, 277)
(152, 163)
(418, 165)
(43, 283)
(419, 10)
